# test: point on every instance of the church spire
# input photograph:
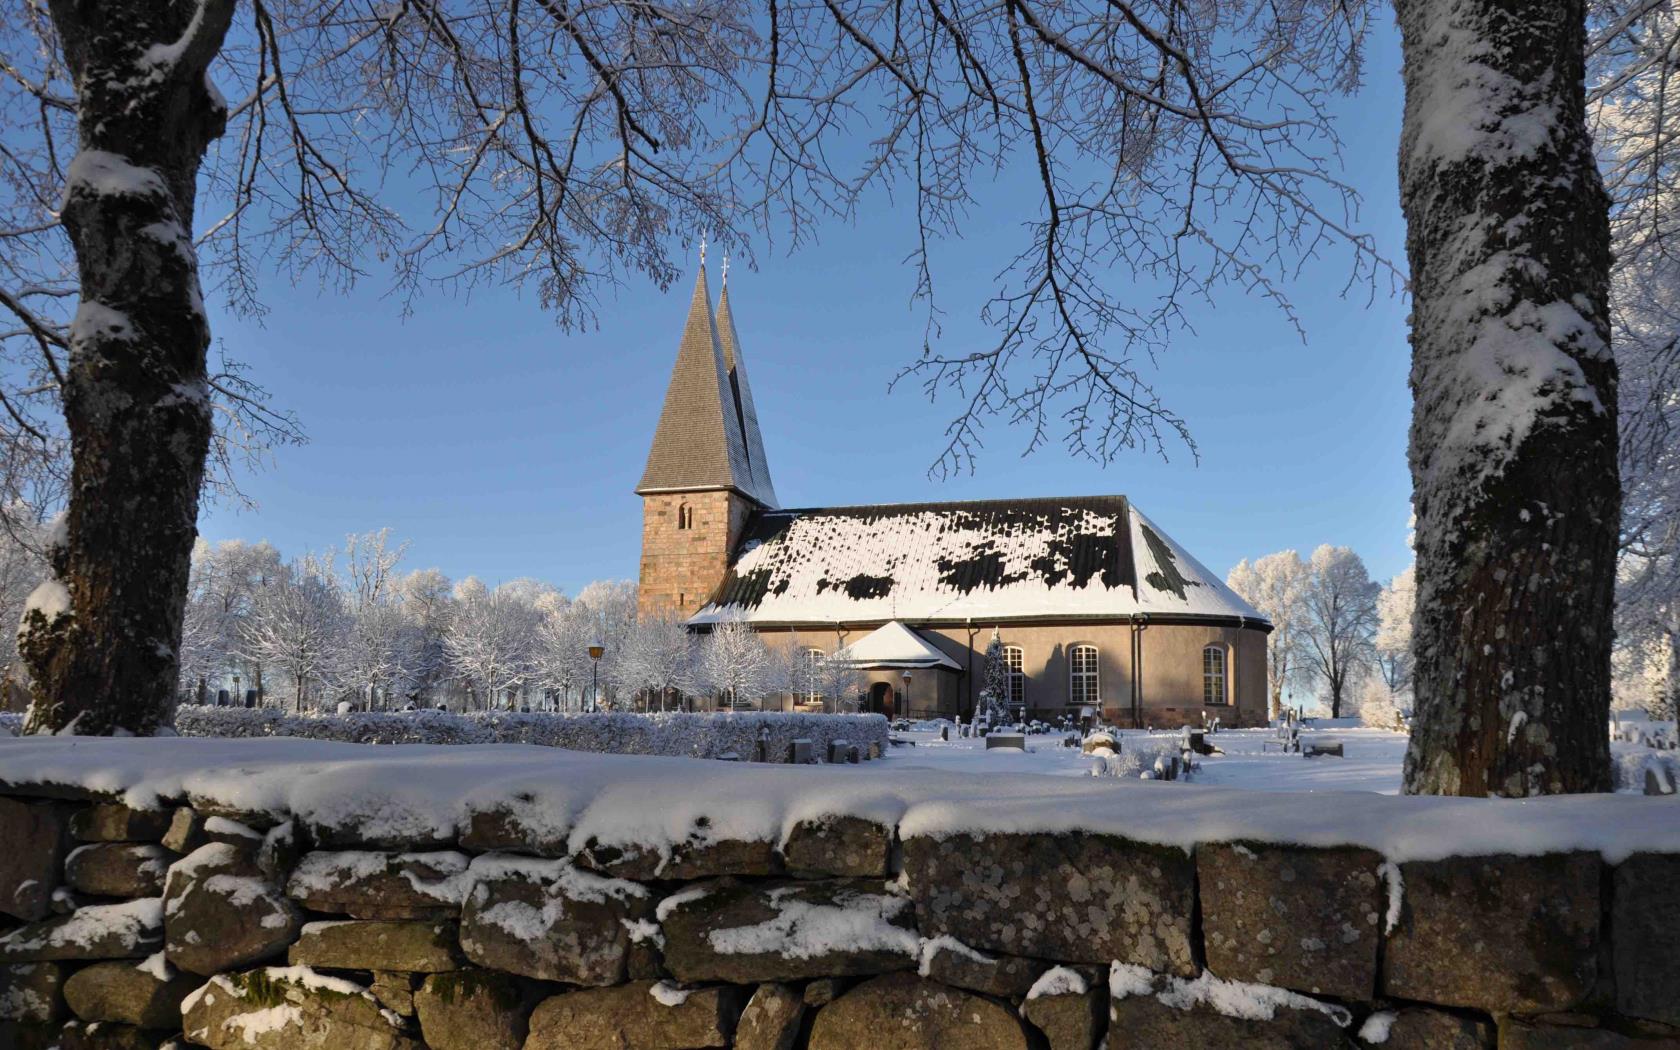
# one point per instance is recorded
(735, 369)
(701, 443)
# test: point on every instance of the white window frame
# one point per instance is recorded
(1078, 695)
(813, 660)
(1014, 659)
(1221, 676)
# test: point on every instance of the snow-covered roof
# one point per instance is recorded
(1085, 557)
(895, 645)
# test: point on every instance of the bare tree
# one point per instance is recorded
(1339, 605)
(1392, 644)
(296, 625)
(1276, 586)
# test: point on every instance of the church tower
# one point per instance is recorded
(706, 473)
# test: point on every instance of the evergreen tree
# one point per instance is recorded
(993, 705)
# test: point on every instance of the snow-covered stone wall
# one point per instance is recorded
(282, 893)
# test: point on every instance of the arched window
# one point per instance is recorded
(1213, 675)
(685, 516)
(1017, 679)
(1082, 675)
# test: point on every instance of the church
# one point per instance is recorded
(1099, 611)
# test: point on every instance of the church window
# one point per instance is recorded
(685, 516)
(1213, 675)
(1013, 662)
(813, 668)
(1082, 675)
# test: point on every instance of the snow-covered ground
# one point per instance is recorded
(1372, 763)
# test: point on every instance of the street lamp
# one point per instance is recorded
(595, 650)
(906, 713)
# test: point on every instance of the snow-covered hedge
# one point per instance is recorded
(673, 733)
(11, 723)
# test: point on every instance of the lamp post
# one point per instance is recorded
(595, 650)
(906, 713)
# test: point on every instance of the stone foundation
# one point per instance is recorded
(127, 928)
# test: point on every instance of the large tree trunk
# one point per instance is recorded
(1513, 439)
(103, 638)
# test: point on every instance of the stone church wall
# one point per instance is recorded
(124, 928)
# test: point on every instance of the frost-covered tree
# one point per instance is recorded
(735, 664)
(1392, 645)
(1339, 603)
(296, 626)
(991, 706)
(658, 659)
(489, 640)
(1377, 705)
(838, 681)
(1276, 586)
(607, 611)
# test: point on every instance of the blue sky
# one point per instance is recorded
(501, 446)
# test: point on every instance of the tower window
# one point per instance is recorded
(1213, 675)
(685, 516)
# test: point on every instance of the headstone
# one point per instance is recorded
(221, 698)
(1018, 741)
(801, 751)
(838, 750)
(1657, 781)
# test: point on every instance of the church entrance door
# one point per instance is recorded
(881, 699)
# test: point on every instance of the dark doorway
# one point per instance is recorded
(881, 699)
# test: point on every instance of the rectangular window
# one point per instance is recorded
(1213, 676)
(1082, 676)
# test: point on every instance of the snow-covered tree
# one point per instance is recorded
(1276, 586)
(991, 706)
(1392, 645)
(1377, 705)
(1340, 616)
(735, 663)
(607, 611)
(658, 659)
(489, 641)
(838, 681)
(295, 627)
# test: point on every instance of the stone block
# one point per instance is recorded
(289, 1010)
(472, 1010)
(1517, 1033)
(907, 1012)
(31, 993)
(185, 832)
(1146, 1021)
(1497, 933)
(147, 995)
(1069, 1021)
(378, 944)
(823, 990)
(1072, 896)
(103, 1035)
(395, 991)
(1306, 919)
(1644, 919)
(221, 913)
(1419, 1028)
(837, 845)
(378, 885)
(129, 930)
(118, 869)
(949, 961)
(548, 920)
(115, 822)
(699, 858)
(783, 930)
(515, 827)
(634, 1017)
(36, 837)
(771, 1020)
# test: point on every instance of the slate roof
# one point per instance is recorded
(1085, 557)
(707, 430)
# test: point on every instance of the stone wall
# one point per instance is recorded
(227, 928)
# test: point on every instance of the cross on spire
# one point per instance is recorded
(702, 249)
(725, 267)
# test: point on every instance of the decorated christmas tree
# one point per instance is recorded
(993, 705)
